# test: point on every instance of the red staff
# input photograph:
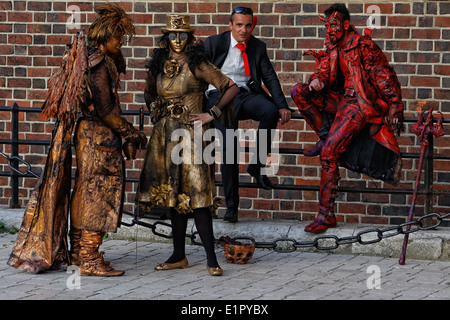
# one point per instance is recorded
(423, 130)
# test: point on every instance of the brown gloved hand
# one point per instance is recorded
(138, 138)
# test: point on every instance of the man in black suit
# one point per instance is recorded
(243, 58)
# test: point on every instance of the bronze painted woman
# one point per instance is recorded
(179, 73)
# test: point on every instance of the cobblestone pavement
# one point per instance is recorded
(268, 276)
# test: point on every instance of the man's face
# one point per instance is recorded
(241, 27)
(335, 28)
(178, 41)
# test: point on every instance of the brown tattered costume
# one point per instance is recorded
(87, 81)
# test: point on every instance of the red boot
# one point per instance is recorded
(327, 194)
(321, 223)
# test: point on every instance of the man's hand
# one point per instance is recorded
(201, 118)
(316, 84)
(285, 115)
(391, 120)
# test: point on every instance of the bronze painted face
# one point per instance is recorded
(335, 28)
(114, 44)
(178, 41)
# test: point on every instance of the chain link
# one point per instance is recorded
(21, 173)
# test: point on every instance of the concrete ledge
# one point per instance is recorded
(425, 245)
(11, 218)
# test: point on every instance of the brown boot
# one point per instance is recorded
(91, 261)
(99, 269)
(75, 236)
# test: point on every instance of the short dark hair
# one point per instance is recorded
(340, 8)
(241, 10)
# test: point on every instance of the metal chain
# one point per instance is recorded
(363, 237)
(285, 245)
(27, 171)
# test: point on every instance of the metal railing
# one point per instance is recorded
(14, 161)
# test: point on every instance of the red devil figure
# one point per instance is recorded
(353, 102)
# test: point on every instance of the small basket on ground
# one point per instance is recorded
(235, 251)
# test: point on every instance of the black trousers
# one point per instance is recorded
(247, 105)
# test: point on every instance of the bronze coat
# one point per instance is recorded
(41, 242)
(97, 198)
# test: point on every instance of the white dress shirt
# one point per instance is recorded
(233, 66)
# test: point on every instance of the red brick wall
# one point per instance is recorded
(414, 35)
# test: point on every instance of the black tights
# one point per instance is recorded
(203, 222)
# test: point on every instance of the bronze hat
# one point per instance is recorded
(177, 23)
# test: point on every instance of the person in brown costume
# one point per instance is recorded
(98, 193)
(97, 198)
(179, 74)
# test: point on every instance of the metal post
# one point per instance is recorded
(428, 181)
(14, 153)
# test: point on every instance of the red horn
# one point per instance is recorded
(322, 18)
(336, 16)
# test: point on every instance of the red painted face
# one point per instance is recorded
(335, 28)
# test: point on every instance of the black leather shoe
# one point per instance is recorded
(231, 215)
(264, 182)
(261, 179)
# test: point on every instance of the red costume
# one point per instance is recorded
(361, 91)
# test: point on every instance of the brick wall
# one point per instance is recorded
(414, 35)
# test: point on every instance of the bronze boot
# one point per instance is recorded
(91, 261)
(75, 236)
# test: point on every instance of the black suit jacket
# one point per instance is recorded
(261, 69)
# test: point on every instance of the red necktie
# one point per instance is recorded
(242, 46)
